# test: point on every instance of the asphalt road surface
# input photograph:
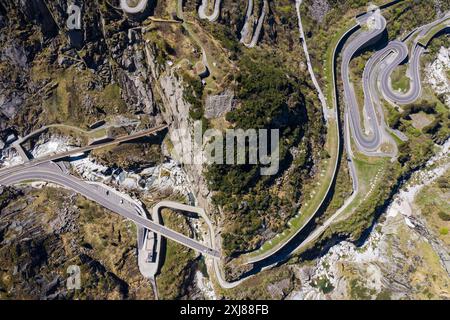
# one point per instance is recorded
(401, 54)
(58, 156)
(45, 172)
(366, 142)
(370, 138)
(202, 10)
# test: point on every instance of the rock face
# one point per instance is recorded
(397, 262)
(176, 112)
(12, 95)
(437, 75)
(319, 9)
(44, 80)
(135, 79)
(218, 105)
(38, 244)
(35, 11)
(43, 71)
(401, 259)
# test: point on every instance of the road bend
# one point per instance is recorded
(45, 173)
(400, 53)
(216, 12)
(366, 142)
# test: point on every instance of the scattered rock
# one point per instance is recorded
(319, 9)
(436, 74)
(218, 105)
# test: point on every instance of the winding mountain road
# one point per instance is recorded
(371, 79)
(50, 173)
(378, 70)
(326, 112)
(257, 32)
(400, 52)
(246, 26)
(369, 29)
(368, 140)
(212, 17)
(139, 8)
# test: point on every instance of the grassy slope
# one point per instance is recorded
(178, 260)
(317, 191)
(434, 206)
(98, 234)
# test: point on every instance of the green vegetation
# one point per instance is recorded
(193, 94)
(178, 260)
(395, 117)
(435, 45)
(427, 38)
(324, 284)
(271, 97)
(384, 295)
(444, 216)
(399, 79)
(359, 292)
(266, 93)
(91, 211)
(342, 190)
(407, 15)
(162, 48)
(314, 192)
(217, 57)
(6, 196)
(434, 206)
(225, 36)
(374, 191)
(274, 284)
(130, 156)
(69, 230)
(66, 103)
(357, 65)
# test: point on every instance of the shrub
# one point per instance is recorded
(444, 216)
(443, 231)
